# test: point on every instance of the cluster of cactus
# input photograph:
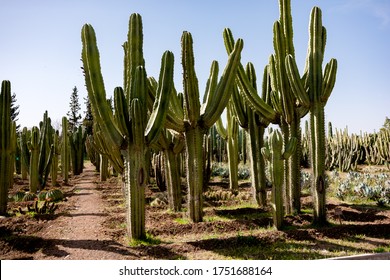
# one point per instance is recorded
(132, 131)
(7, 145)
(343, 151)
(38, 151)
(291, 97)
(53, 195)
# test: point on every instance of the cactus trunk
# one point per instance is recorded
(317, 138)
(173, 180)
(134, 187)
(195, 168)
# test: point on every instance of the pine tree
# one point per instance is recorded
(14, 111)
(88, 119)
(74, 117)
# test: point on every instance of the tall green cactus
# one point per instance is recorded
(7, 128)
(129, 135)
(25, 153)
(276, 153)
(33, 146)
(255, 126)
(65, 151)
(77, 143)
(193, 119)
(290, 110)
(46, 150)
(54, 164)
(230, 134)
(313, 93)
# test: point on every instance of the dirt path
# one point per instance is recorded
(79, 234)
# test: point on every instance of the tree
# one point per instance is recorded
(14, 111)
(73, 114)
(88, 119)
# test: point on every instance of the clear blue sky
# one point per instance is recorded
(40, 47)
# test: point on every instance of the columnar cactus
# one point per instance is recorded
(128, 136)
(7, 128)
(193, 119)
(77, 142)
(65, 151)
(255, 126)
(172, 146)
(313, 93)
(276, 154)
(230, 134)
(25, 153)
(46, 150)
(54, 163)
(33, 146)
(291, 114)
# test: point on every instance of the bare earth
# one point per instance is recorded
(90, 224)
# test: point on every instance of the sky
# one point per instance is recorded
(40, 48)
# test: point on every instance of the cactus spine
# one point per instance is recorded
(130, 133)
(7, 128)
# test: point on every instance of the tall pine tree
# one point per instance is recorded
(14, 111)
(88, 119)
(74, 118)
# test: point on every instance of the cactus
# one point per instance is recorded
(65, 151)
(231, 137)
(255, 126)
(77, 142)
(274, 153)
(25, 153)
(7, 133)
(33, 146)
(313, 93)
(46, 150)
(128, 136)
(56, 154)
(194, 120)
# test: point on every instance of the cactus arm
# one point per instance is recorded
(290, 148)
(329, 80)
(133, 55)
(121, 111)
(211, 86)
(239, 108)
(221, 129)
(95, 87)
(316, 55)
(296, 83)
(224, 88)
(247, 90)
(161, 103)
(190, 81)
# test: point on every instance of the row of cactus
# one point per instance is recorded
(344, 151)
